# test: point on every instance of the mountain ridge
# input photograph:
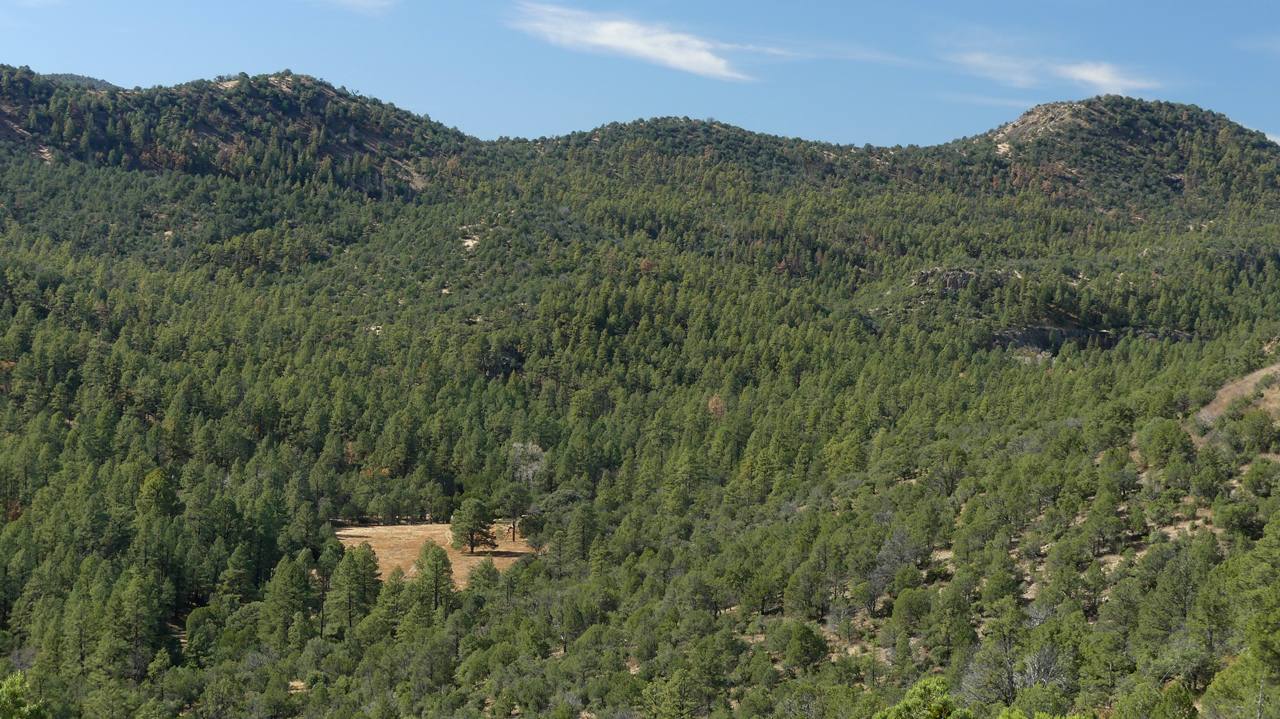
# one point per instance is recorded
(1110, 150)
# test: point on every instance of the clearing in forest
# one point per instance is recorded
(397, 545)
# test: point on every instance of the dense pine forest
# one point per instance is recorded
(792, 429)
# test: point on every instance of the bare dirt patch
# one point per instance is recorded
(1041, 119)
(416, 181)
(943, 557)
(1243, 387)
(12, 131)
(397, 545)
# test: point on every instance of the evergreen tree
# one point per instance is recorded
(928, 698)
(433, 582)
(514, 500)
(14, 703)
(472, 526)
(355, 589)
(287, 595)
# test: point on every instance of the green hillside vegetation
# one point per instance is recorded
(798, 429)
(92, 83)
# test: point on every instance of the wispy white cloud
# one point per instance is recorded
(1004, 69)
(1016, 59)
(1104, 77)
(615, 35)
(983, 100)
(1028, 72)
(1273, 138)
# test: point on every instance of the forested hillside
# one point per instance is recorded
(796, 429)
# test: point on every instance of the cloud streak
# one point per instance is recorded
(1028, 72)
(1004, 69)
(1104, 77)
(651, 42)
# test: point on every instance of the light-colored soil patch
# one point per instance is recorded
(1188, 528)
(416, 181)
(11, 130)
(397, 545)
(943, 557)
(1110, 562)
(1243, 387)
(178, 632)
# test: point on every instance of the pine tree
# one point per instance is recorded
(288, 594)
(355, 589)
(928, 698)
(139, 618)
(472, 526)
(157, 494)
(580, 533)
(514, 501)
(671, 699)
(235, 581)
(485, 576)
(434, 581)
(14, 702)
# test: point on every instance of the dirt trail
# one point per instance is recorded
(397, 545)
(1243, 387)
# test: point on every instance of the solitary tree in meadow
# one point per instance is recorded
(472, 526)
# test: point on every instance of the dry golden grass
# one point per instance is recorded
(1243, 387)
(397, 545)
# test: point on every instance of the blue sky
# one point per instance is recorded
(856, 72)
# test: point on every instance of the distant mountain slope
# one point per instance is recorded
(1149, 153)
(1109, 152)
(281, 129)
(1112, 154)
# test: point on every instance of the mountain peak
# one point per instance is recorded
(1137, 152)
(1041, 119)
